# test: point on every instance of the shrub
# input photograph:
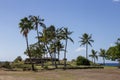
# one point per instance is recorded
(6, 65)
(17, 64)
(82, 61)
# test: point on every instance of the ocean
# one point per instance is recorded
(111, 64)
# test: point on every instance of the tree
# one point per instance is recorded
(113, 53)
(82, 61)
(18, 59)
(36, 22)
(26, 25)
(58, 44)
(102, 54)
(66, 37)
(36, 51)
(94, 55)
(59, 47)
(48, 38)
(86, 39)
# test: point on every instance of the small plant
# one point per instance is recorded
(46, 67)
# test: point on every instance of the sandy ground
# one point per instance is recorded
(82, 74)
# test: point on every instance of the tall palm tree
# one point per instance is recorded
(47, 38)
(94, 55)
(58, 43)
(36, 21)
(86, 40)
(26, 25)
(102, 54)
(66, 37)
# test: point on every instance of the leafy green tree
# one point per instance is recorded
(102, 54)
(82, 61)
(113, 53)
(26, 25)
(94, 55)
(86, 40)
(36, 52)
(18, 59)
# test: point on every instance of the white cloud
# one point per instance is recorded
(116, 0)
(80, 49)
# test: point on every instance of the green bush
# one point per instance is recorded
(6, 65)
(17, 65)
(82, 61)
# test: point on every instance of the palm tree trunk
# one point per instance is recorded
(94, 60)
(58, 56)
(55, 59)
(86, 51)
(42, 63)
(49, 53)
(26, 37)
(103, 60)
(65, 54)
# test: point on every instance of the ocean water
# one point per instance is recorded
(112, 64)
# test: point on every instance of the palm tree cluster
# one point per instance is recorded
(86, 40)
(50, 40)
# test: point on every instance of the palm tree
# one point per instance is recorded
(66, 37)
(59, 45)
(26, 25)
(86, 39)
(102, 54)
(36, 22)
(47, 38)
(94, 55)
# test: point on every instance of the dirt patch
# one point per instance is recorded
(81, 74)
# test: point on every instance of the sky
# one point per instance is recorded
(101, 18)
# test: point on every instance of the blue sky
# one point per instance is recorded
(101, 18)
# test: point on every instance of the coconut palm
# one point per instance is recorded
(59, 45)
(93, 55)
(47, 38)
(66, 37)
(36, 22)
(26, 25)
(86, 40)
(102, 54)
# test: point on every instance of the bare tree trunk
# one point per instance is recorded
(58, 56)
(103, 60)
(32, 64)
(65, 54)
(42, 63)
(86, 51)
(50, 54)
